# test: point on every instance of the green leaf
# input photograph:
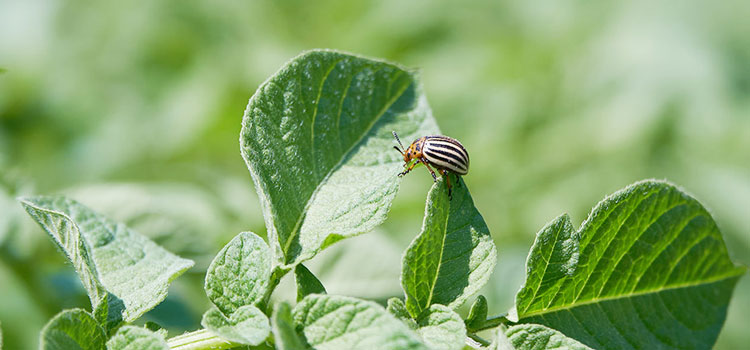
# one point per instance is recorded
(136, 338)
(72, 330)
(344, 323)
(441, 328)
(535, 336)
(239, 274)
(647, 269)
(501, 341)
(477, 314)
(156, 328)
(453, 256)
(317, 140)
(396, 307)
(1, 336)
(247, 325)
(111, 260)
(285, 334)
(307, 283)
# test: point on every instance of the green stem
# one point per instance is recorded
(481, 341)
(202, 339)
(276, 276)
(492, 322)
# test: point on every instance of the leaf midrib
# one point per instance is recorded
(440, 261)
(546, 265)
(87, 260)
(738, 271)
(380, 114)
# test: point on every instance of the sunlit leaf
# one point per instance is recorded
(647, 269)
(453, 256)
(441, 328)
(239, 274)
(317, 140)
(111, 260)
(534, 337)
(73, 329)
(246, 325)
(343, 323)
(136, 338)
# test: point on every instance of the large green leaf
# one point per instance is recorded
(115, 264)
(239, 273)
(136, 338)
(332, 322)
(73, 329)
(316, 138)
(647, 269)
(453, 256)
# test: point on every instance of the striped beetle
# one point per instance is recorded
(446, 154)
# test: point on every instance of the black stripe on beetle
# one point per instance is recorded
(446, 159)
(446, 154)
(450, 147)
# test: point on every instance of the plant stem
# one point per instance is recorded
(492, 322)
(481, 341)
(276, 276)
(202, 339)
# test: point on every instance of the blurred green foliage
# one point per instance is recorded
(134, 108)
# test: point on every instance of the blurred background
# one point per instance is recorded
(134, 108)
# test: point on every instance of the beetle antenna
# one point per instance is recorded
(399, 142)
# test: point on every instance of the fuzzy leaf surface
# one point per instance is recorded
(116, 265)
(247, 325)
(239, 273)
(647, 269)
(535, 336)
(342, 323)
(396, 307)
(284, 331)
(73, 329)
(441, 328)
(136, 338)
(317, 140)
(453, 256)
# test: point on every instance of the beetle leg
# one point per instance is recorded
(408, 169)
(434, 178)
(447, 176)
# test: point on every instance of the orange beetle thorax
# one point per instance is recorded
(415, 150)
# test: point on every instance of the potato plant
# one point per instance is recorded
(647, 269)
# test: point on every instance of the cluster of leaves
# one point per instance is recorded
(648, 268)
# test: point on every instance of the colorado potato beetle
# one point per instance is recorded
(446, 154)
